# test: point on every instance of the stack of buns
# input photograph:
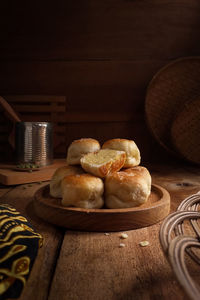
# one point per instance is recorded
(109, 176)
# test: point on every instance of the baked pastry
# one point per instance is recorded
(80, 147)
(132, 152)
(85, 191)
(141, 171)
(127, 188)
(59, 174)
(103, 162)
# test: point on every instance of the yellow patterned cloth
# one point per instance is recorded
(19, 244)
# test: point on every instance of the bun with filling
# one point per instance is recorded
(84, 191)
(59, 174)
(132, 152)
(127, 188)
(103, 162)
(80, 147)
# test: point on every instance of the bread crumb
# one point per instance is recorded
(124, 236)
(106, 233)
(121, 245)
(144, 243)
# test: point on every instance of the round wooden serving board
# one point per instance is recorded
(51, 210)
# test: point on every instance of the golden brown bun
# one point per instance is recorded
(85, 191)
(140, 171)
(103, 162)
(132, 152)
(127, 188)
(80, 147)
(59, 174)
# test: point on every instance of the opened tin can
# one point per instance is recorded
(34, 143)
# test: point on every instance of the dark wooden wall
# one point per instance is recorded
(99, 54)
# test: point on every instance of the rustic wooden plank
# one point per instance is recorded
(96, 116)
(84, 117)
(29, 111)
(129, 78)
(37, 103)
(3, 190)
(40, 117)
(103, 131)
(92, 265)
(36, 108)
(10, 176)
(39, 281)
(95, 265)
(35, 117)
(111, 29)
(35, 98)
(181, 181)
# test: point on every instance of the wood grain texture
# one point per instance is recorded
(98, 267)
(91, 265)
(3, 190)
(38, 283)
(94, 266)
(50, 209)
(100, 55)
(100, 92)
(10, 176)
(98, 30)
(80, 80)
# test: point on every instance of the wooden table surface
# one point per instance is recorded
(74, 265)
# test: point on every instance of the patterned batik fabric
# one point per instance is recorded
(19, 245)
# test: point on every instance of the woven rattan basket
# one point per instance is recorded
(170, 89)
(180, 239)
(185, 131)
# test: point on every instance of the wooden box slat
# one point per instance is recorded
(38, 108)
(35, 98)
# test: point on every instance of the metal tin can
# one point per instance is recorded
(34, 143)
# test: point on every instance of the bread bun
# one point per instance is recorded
(80, 147)
(141, 171)
(85, 191)
(127, 188)
(132, 152)
(103, 162)
(59, 174)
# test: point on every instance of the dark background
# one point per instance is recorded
(100, 55)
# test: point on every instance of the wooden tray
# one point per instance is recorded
(10, 176)
(51, 210)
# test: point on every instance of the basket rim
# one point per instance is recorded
(168, 145)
